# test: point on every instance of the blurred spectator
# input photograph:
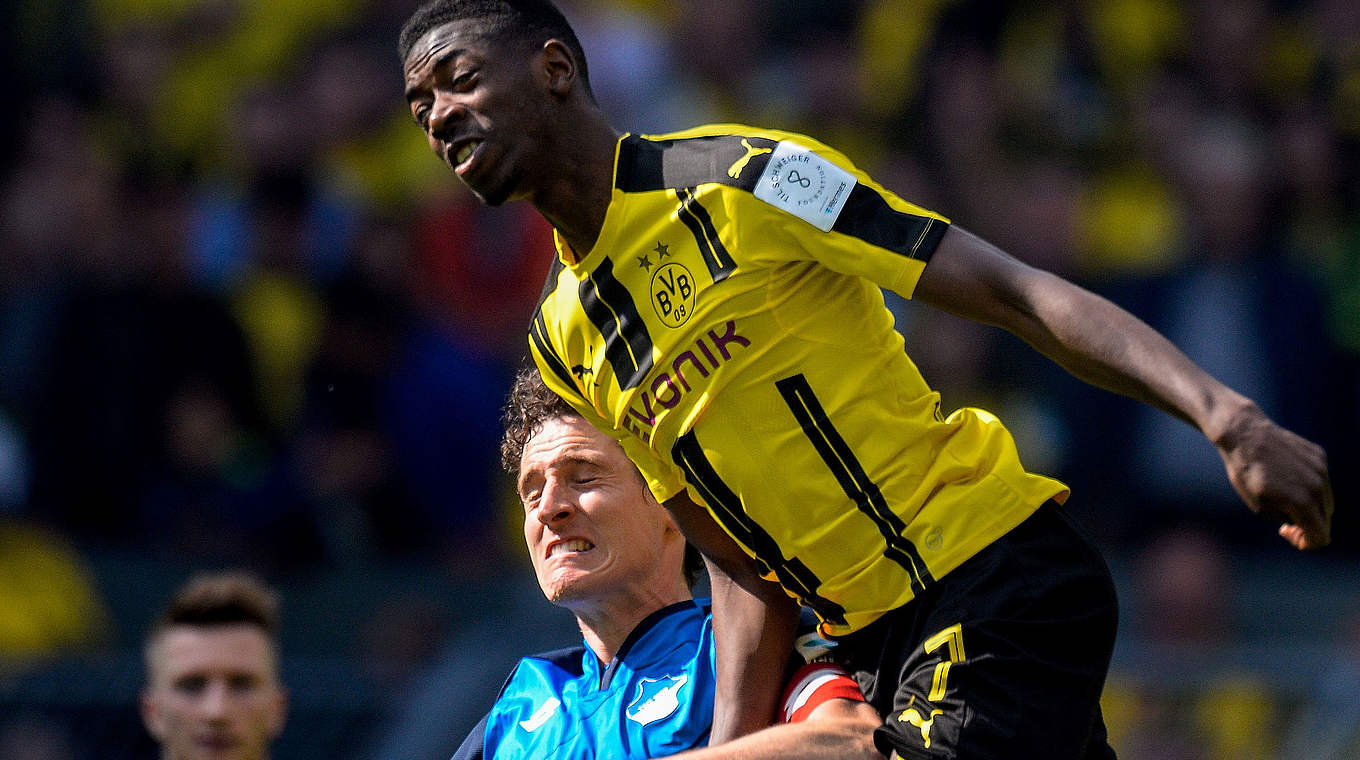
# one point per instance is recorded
(634, 72)
(343, 452)
(473, 269)
(1185, 588)
(33, 737)
(49, 602)
(13, 467)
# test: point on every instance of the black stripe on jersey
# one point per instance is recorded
(538, 328)
(550, 284)
(647, 165)
(853, 479)
(727, 510)
(538, 333)
(868, 217)
(627, 344)
(696, 218)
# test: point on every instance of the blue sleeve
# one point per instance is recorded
(471, 748)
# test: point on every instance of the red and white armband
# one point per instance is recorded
(813, 685)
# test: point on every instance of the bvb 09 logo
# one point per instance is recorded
(673, 294)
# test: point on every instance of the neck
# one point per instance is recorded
(576, 198)
(606, 627)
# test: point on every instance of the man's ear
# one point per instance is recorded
(558, 66)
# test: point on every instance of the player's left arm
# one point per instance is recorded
(1277, 473)
(753, 626)
(822, 715)
(838, 729)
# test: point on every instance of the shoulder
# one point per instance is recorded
(539, 676)
(566, 660)
(546, 671)
(535, 708)
(735, 155)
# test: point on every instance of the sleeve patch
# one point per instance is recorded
(805, 184)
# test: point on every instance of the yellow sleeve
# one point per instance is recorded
(820, 207)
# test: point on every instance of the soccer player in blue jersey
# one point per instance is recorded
(642, 683)
(714, 305)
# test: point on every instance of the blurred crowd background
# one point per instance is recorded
(248, 320)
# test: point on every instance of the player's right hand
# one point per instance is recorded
(1280, 476)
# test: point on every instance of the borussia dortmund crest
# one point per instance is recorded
(673, 293)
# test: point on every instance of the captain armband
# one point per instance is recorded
(812, 686)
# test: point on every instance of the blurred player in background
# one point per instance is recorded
(642, 684)
(715, 305)
(212, 670)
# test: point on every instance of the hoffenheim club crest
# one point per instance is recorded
(657, 698)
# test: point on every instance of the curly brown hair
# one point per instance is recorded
(530, 405)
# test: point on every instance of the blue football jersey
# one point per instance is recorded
(654, 699)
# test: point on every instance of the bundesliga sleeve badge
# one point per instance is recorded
(805, 184)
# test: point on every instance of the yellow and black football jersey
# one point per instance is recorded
(729, 330)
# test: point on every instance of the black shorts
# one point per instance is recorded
(1004, 657)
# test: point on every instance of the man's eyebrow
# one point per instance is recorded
(440, 61)
(569, 460)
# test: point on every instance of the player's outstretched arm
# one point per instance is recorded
(1278, 474)
(753, 627)
(840, 729)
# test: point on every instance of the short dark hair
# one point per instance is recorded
(529, 406)
(531, 21)
(220, 599)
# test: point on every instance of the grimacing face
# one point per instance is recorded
(594, 532)
(481, 103)
(213, 693)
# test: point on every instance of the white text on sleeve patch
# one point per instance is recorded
(805, 184)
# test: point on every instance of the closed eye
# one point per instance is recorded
(529, 500)
(464, 81)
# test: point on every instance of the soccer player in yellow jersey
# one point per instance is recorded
(714, 305)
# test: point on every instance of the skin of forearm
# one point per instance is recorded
(1278, 474)
(838, 730)
(753, 626)
(1087, 335)
(1108, 347)
(753, 630)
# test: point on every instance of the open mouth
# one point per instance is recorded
(217, 742)
(574, 546)
(464, 153)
